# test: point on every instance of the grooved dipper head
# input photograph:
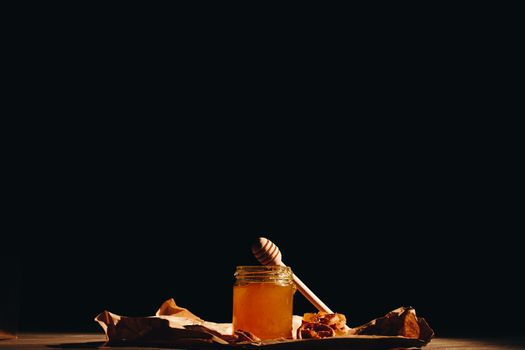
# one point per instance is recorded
(266, 252)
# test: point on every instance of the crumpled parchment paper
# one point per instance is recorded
(173, 325)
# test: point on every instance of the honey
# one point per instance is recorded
(263, 301)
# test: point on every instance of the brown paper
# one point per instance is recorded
(402, 321)
(171, 324)
(175, 326)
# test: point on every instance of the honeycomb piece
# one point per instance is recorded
(336, 321)
(322, 325)
(309, 330)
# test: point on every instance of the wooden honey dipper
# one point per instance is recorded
(268, 254)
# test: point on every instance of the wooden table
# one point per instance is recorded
(82, 341)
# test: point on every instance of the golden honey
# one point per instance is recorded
(263, 301)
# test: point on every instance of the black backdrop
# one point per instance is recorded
(372, 209)
(366, 238)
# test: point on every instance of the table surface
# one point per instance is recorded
(82, 341)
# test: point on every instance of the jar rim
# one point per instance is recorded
(264, 274)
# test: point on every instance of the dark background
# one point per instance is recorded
(399, 227)
(375, 156)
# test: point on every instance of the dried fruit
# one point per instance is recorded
(321, 325)
(311, 330)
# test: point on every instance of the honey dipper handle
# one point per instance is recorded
(269, 254)
(312, 298)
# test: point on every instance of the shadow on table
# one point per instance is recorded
(87, 345)
(503, 343)
(499, 343)
(506, 343)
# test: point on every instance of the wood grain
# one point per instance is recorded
(82, 341)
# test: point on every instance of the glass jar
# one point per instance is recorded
(263, 301)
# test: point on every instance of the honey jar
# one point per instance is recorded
(263, 301)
